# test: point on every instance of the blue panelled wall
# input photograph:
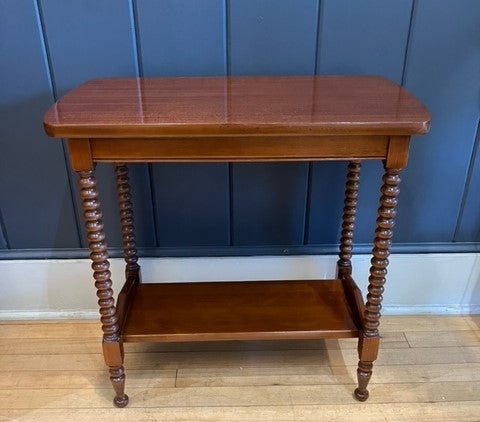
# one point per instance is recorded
(47, 47)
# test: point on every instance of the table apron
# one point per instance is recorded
(282, 148)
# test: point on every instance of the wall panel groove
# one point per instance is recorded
(318, 36)
(231, 216)
(3, 234)
(154, 228)
(226, 36)
(45, 48)
(308, 198)
(135, 39)
(137, 51)
(408, 42)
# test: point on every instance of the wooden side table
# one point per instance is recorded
(238, 119)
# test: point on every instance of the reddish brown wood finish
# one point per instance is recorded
(240, 148)
(238, 119)
(99, 255)
(344, 265)
(370, 338)
(125, 206)
(354, 297)
(112, 346)
(397, 156)
(173, 312)
(166, 107)
(80, 154)
(381, 250)
(125, 299)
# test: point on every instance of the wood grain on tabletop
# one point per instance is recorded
(237, 106)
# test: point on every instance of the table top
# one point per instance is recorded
(217, 106)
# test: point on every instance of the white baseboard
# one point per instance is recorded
(439, 284)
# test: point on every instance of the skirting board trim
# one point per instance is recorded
(93, 315)
(417, 284)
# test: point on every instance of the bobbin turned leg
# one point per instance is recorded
(126, 219)
(112, 345)
(370, 338)
(344, 264)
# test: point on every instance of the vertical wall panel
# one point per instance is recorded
(192, 205)
(182, 37)
(186, 38)
(327, 188)
(366, 37)
(269, 204)
(443, 71)
(356, 38)
(88, 39)
(92, 39)
(271, 37)
(34, 193)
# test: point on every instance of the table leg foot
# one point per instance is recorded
(361, 395)
(364, 373)
(117, 376)
(121, 401)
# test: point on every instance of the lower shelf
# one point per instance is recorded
(259, 310)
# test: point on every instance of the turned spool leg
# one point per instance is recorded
(344, 264)
(126, 219)
(370, 339)
(112, 345)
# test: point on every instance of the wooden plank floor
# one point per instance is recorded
(428, 370)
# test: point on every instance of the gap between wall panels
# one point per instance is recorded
(408, 42)
(3, 233)
(137, 52)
